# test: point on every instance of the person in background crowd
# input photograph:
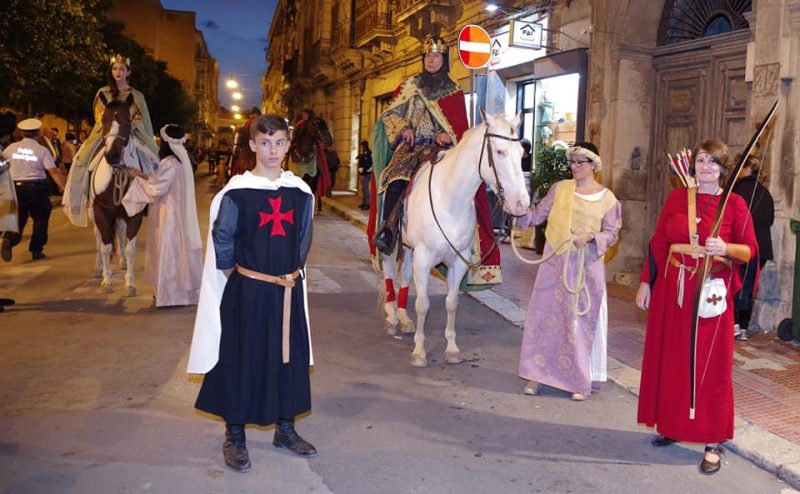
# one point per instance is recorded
(762, 209)
(527, 164)
(365, 172)
(174, 251)
(68, 150)
(333, 165)
(30, 165)
(251, 337)
(667, 291)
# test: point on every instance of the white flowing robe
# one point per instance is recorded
(173, 262)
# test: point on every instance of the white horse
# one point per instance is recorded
(439, 221)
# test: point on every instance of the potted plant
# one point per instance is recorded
(550, 165)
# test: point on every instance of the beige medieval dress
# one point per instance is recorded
(173, 256)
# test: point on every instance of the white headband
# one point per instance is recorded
(598, 163)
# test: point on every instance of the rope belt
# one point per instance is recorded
(287, 282)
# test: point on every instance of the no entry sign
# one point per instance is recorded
(474, 46)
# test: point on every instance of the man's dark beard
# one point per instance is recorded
(434, 86)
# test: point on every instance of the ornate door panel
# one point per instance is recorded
(700, 94)
(680, 97)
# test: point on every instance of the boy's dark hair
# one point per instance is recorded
(269, 123)
(174, 131)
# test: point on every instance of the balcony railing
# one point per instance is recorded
(372, 25)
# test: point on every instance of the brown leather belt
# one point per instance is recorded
(287, 282)
(695, 253)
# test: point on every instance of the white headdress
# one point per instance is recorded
(176, 145)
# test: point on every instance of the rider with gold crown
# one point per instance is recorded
(77, 190)
(427, 114)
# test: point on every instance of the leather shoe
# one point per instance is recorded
(709, 467)
(661, 441)
(287, 437)
(6, 301)
(235, 448)
(38, 255)
(5, 252)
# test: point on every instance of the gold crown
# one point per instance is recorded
(435, 45)
(119, 59)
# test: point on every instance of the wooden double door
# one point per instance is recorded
(700, 93)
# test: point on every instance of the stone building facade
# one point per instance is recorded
(171, 37)
(640, 78)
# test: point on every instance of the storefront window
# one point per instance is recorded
(550, 108)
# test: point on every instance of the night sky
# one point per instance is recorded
(236, 34)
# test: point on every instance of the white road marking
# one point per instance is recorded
(317, 282)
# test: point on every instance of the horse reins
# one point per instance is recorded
(486, 144)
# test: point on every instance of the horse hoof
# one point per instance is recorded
(106, 289)
(419, 361)
(131, 291)
(453, 357)
(406, 327)
(391, 329)
(97, 274)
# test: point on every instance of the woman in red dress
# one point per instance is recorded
(667, 291)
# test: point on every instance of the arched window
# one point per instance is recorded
(686, 20)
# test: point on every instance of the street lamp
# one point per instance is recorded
(237, 116)
(236, 95)
(235, 108)
(231, 83)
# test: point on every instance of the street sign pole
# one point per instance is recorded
(474, 51)
(471, 97)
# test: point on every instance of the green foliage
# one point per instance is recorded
(54, 57)
(52, 53)
(550, 166)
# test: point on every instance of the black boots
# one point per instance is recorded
(235, 449)
(287, 437)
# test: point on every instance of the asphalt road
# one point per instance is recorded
(94, 398)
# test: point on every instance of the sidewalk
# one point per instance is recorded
(766, 372)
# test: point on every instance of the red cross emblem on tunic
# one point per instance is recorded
(713, 299)
(277, 217)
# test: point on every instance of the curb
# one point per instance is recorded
(752, 442)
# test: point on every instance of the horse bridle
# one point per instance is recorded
(486, 144)
(119, 176)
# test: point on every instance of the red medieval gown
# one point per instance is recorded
(664, 394)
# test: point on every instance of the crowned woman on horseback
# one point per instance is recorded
(76, 194)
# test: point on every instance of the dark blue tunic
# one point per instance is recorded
(268, 231)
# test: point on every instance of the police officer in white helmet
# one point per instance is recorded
(30, 163)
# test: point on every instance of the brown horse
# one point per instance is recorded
(306, 153)
(108, 184)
